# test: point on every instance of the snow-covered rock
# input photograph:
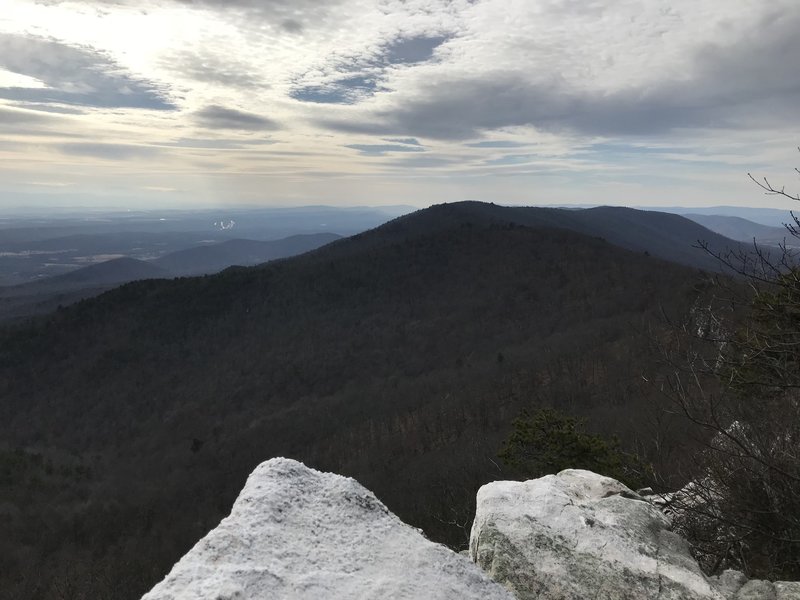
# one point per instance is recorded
(298, 533)
(580, 535)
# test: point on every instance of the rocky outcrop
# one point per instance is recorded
(579, 535)
(296, 533)
(735, 586)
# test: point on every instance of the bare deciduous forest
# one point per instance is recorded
(403, 357)
(400, 359)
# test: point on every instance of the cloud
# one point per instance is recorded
(108, 151)
(496, 144)
(406, 141)
(37, 124)
(208, 67)
(511, 159)
(292, 26)
(217, 143)
(291, 16)
(503, 86)
(382, 149)
(51, 108)
(74, 75)
(282, 8)
(424, 162)
(22, 117)
(465, 108)
(219, 117)
(726, 86)
(356, 76)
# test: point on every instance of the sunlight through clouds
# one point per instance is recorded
(508, 99)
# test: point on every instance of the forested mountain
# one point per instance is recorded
(46, 294)
(665, 235)
(39, 246)
(400, 356)
(215, 257)
(118, 270)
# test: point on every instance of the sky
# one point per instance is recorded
(179, 103)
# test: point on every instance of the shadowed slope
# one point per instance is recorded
(399, 356)
(665, 235)
(213, 258)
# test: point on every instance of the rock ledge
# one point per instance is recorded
(297, 533)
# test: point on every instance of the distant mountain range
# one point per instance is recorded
(399, 356)
(42, 245)
(737, 228)
(771, 217)
(110, 272)
(215, 257)
(46, 294)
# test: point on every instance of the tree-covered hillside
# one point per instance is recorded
(399, 357)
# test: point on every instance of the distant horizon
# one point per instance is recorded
(22, 210)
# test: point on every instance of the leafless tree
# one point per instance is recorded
(736, 378)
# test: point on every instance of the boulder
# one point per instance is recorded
(787, 590)
(756, 589)
(579, 535)
(729, 582)
(298, 533)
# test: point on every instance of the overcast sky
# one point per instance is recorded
(136, 103)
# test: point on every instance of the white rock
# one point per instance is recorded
(579, 535)
(729, 582)
(756, 589)
(787, 590)
(297, 533)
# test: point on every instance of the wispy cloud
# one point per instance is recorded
(207, 67)
(444, 95)
(74, 75)
(108, 151)
(382, 149)
(358, 76)
(220, 117)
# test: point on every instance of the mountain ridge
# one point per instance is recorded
(399, 356)
(46, 294)
(239, 252)
(665, 235)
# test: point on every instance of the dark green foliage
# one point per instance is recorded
(547, 441)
